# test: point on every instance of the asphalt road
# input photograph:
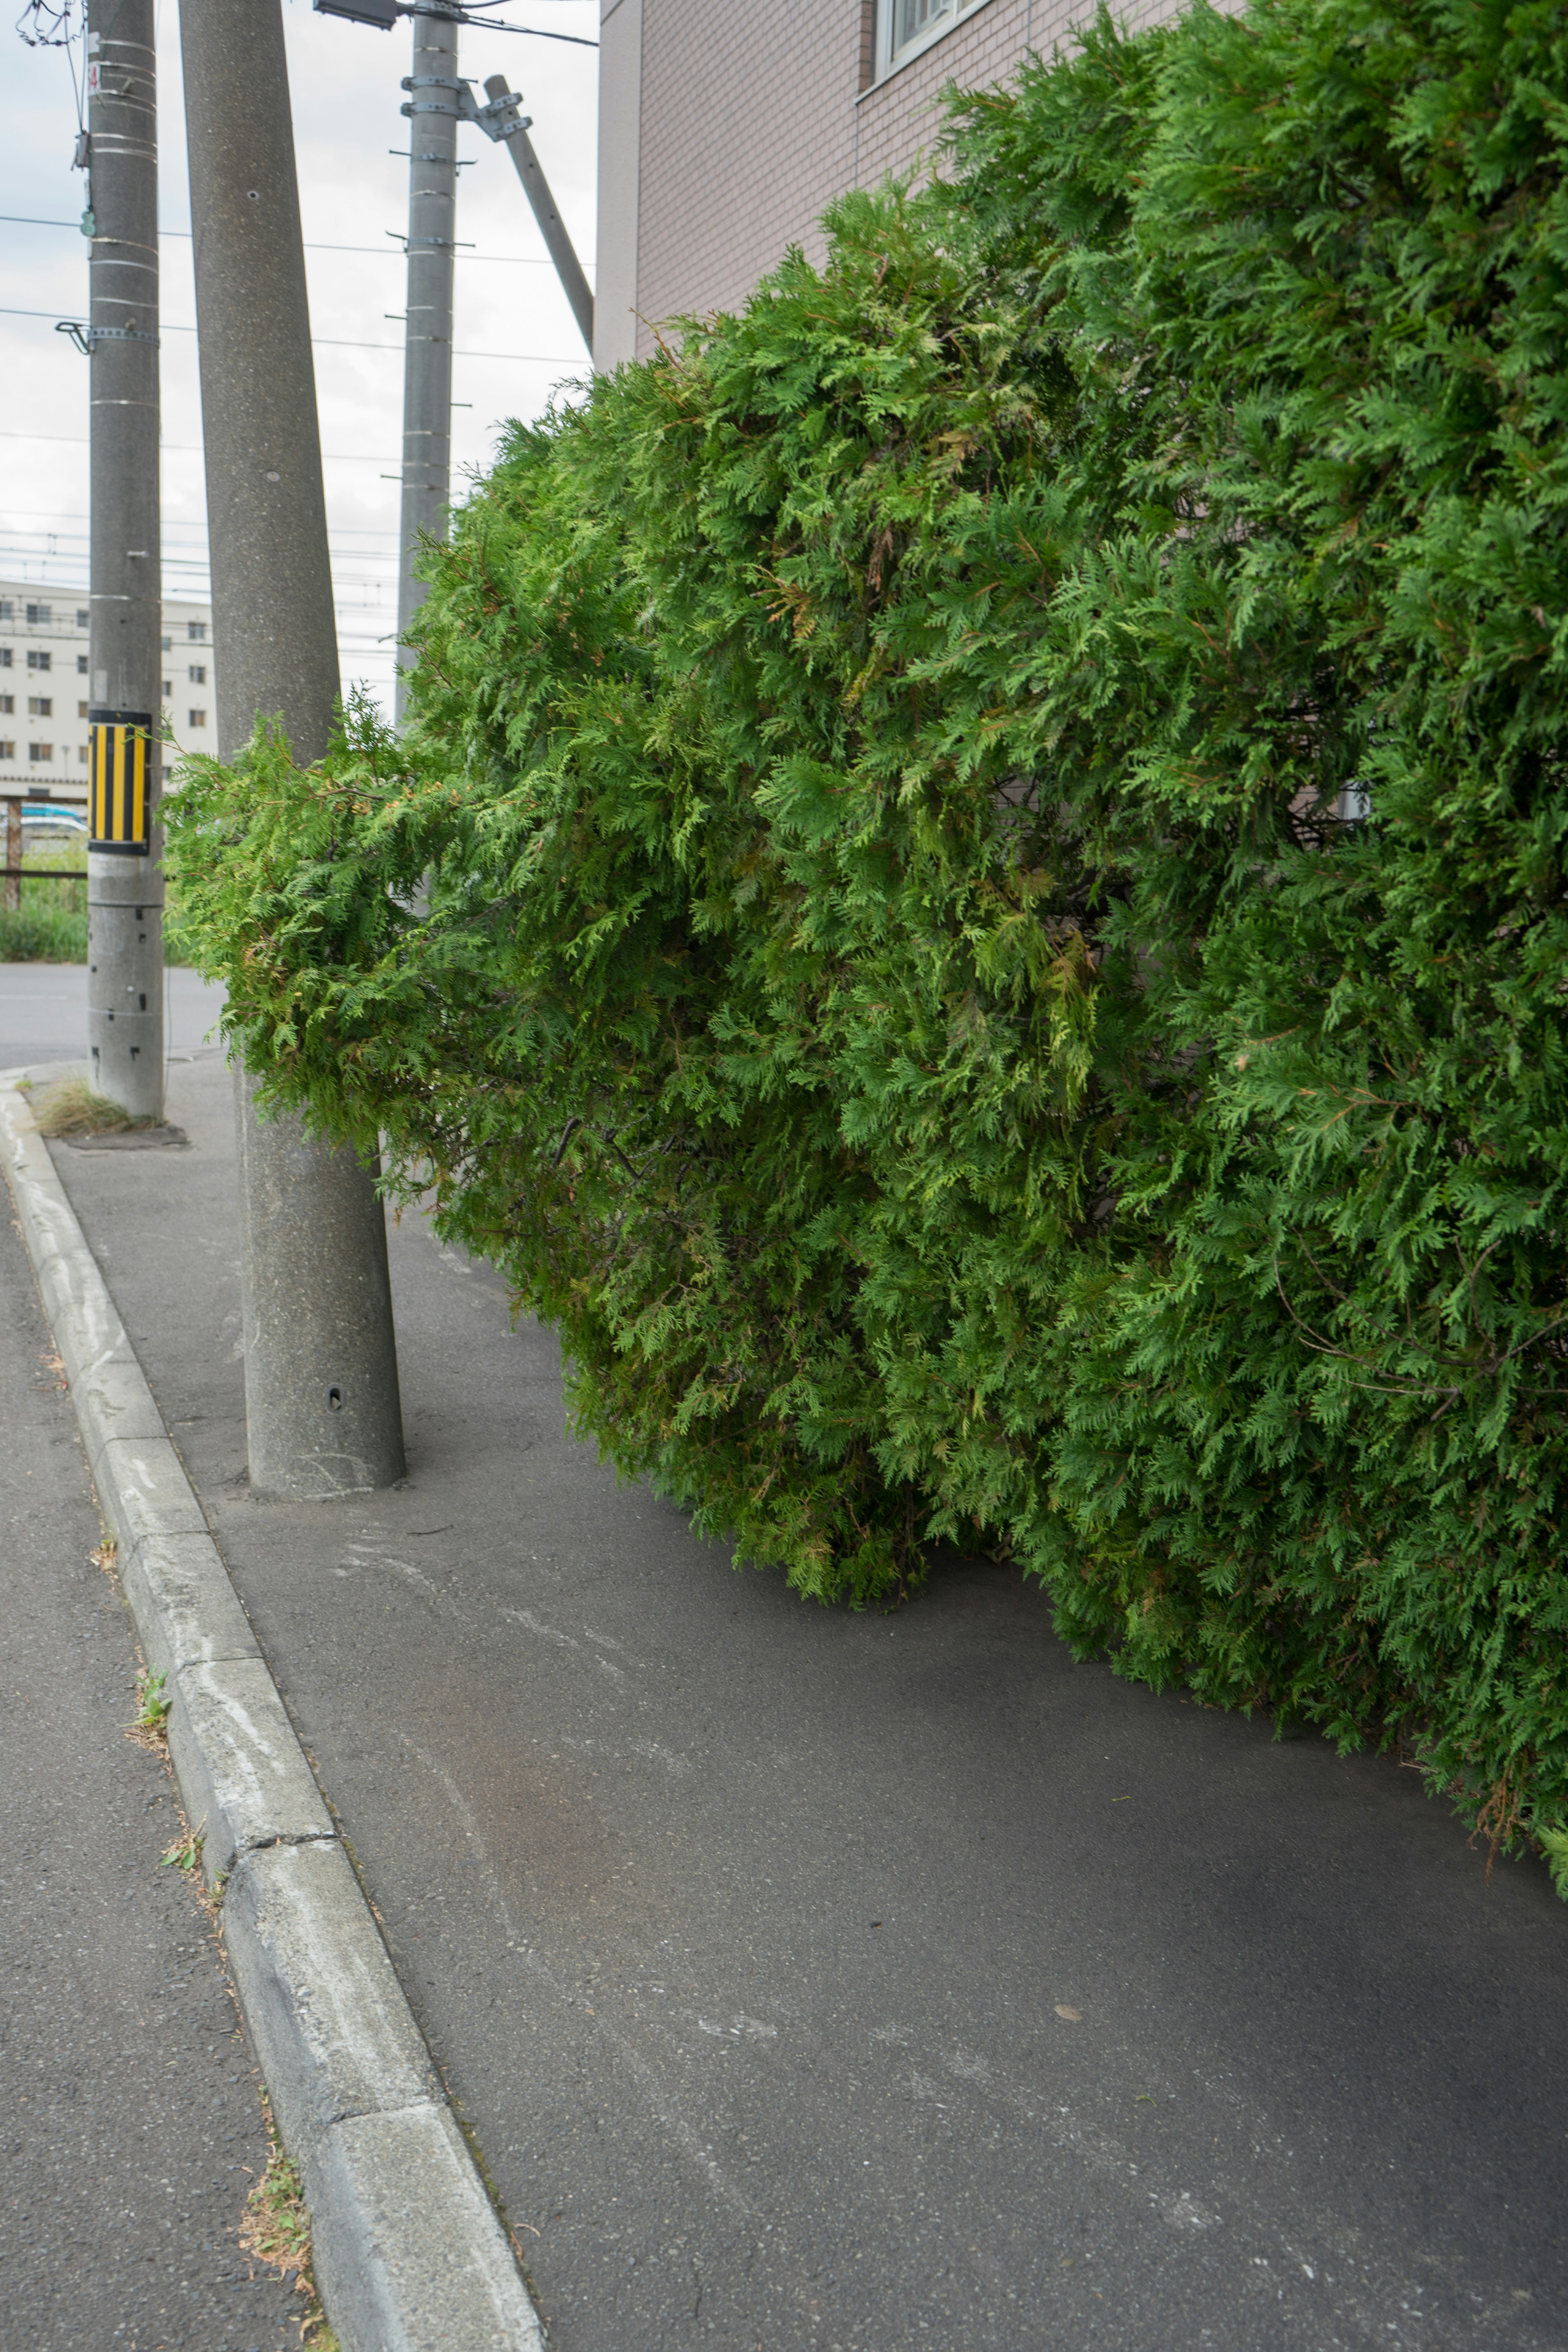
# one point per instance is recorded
(814, 1979)
(43, 1013)
(129, 2124)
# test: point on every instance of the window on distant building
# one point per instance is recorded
(7, 751)
(7, 702)
(197, 632)
(168, 689)
(83, 617)
(40, 706)
(907, 26)
(5, 657)
(40, 661)
(198, 719)
(168, 644)
(197, 674)
(7, 610)
(81, 665)
(40, 616)
(81, 710)
(83, 754)
(39, 752)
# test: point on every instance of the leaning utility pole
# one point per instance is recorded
(322, 1415)
(500, 120)
(124, 873)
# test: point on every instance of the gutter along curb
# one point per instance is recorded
(409, 2252)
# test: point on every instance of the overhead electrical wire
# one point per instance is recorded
(519, 260)
(338, 342)
(194, 449)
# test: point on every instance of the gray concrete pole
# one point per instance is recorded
(124, 873)
(322, 1415)
(510, 127)
(433, 112)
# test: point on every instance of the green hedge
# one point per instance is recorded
(872, 932)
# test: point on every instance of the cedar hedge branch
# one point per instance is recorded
(976, 907)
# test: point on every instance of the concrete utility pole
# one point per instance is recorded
(322, 1414)
(124, 873)
(435, 108)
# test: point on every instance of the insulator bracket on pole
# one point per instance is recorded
(85, 338)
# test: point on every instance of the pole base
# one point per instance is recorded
(125, 1003)
(323, 1411)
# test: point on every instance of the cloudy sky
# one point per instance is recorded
(515, 338)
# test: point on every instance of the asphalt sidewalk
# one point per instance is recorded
(132, 2130)
(818, 1979)
(43, 1013)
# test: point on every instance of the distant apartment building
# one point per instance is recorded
(724, 132)
(44, 688)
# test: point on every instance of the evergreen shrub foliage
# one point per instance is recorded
(976, 906)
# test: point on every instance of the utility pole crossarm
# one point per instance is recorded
(500, 120)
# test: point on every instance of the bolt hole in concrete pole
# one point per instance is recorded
(317, 1300)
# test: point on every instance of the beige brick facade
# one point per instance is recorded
(725, 131)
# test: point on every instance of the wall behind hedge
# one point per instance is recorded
(975, 906)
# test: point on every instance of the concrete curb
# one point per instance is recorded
(409, 2254)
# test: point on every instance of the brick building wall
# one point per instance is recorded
(725, 131)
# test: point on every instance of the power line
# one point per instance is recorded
(74, 514)
(191, 448)
(342, 343)
(386, 252)
(196, 534)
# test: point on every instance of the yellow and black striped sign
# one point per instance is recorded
(120, 815)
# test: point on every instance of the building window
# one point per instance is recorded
(5, 657)
(81, 665)
(196, 718)
(907, 26)
(83, 617)
(7, 751)
(83, 754)
(40, 706)
(7, 702)
(168, 644)
(197, 674)
(7, 610)
(168, 689)
(40, 616)
(39, 752)
(81, 710)
(40, 661)
(197, 632)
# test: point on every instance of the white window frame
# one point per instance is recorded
(889, 61)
